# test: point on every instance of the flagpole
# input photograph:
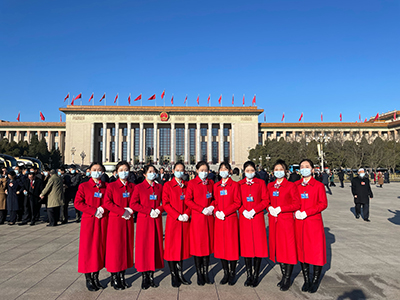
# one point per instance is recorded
(105, 100)
(93, 99)
(186, 101)
(130, 98)
(198, 97)
(141, 100)
(117, 100)
(243, 98)
(209, 102)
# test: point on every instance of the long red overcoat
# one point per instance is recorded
(253, 235)
(226, 233)
(176, 232)
(149, 252)
(93, 235)
(201, 226)
(119, 246)
(310, 234)
(282, 237)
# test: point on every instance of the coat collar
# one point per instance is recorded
(175, 183)
(227, 183)
(244, 180)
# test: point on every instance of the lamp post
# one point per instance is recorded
(73, 150)
(321, 141)
(83, 155)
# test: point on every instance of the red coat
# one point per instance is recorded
(119, 247)
(253, 235)
(176, 232)
(310, 234)
(201, 226)
(149, 252)
(282, 238)
(92, 241)
(226, 234)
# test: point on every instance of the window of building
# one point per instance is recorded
(203, 131)
(269, 133)
(203, 146)
(125, 131)
(124, 150)
(56, 146)
(279, 134)
(192, 139)
(226, 152)
(260, 136)
(165, 144)
(56, 134)
(180, 143)
(149, 141)
(112, 147)
(226, 131)
(113, 131)
(215, 152)
(136, 133)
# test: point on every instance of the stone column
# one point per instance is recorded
(155, 144)
(116, 142)
(91, 157)
(129, 141)
(233, 143)
(221, 142)
(141, 160)
(49, 140)
(209, 143)
(186, 143)
(198, 148)
(104, 142)
(172, 160)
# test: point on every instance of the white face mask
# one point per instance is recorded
(151, 176)
(96, 174)
(123, 174)
(45, 174)
(362, 175)
(178, 174)
(224, 174)
(279, 174)
(250, 175)
(305, 172)
(203, 175)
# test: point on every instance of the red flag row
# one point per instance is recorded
(341, 117)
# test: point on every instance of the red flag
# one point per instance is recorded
(152, 97)
(233, 100)
(163, 94)
(395, 115)
(60, 118)
(359, 117)
(365, 120)
(283, 117)
(376, 117)
(104, 97)
(77, 97)
(66, 97)
(198, 100)
(18, 118)
(208, 99)
(138, 98)
(341, 117)
(254, 101)
(116, 98)
(220, 99)
(41, 116)
(185, 100)
(172, 100)
(301, 117)
(129, 99)
(91, 97)
(322, 118)
(243, 99)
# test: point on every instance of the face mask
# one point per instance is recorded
(59, 173)
(203, 175)
(45, 174)
(250, 175)
(224, 174)
(279, 174)
(96, 174)
(178, 174)
(305, 172)
(88, 174)
(73, 171)
(362, 175)
(123, 174)
(151, 176)
(16, 172)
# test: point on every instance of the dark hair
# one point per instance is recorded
(12, 173)
(249, 163)
(97, 163)
(147, 167)
(309, 161)
(46, 168)
(73, 167)
(226, 165)
(62, 169)
(202, 163)
(282, 163)
(122, 163)
(236, 171)
(179, 163)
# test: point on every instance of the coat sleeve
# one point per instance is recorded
(190, 199)
(167, 191)
(135, 203)
(322, 202)
(371, 195)
(232, 208)
(48, 187)
(353, 187)
(264, 199)
(161, 206)
(242, 199)
(110, 204)
(296, 201)
(80, 203)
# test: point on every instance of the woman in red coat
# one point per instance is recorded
(177, 228)
(253, 236)
(227, 202)
(119, 247)
(284, 200)
(199, 198)
(92, 242)
(149, 253)
(310, 234)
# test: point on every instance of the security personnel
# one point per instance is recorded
(362, 192)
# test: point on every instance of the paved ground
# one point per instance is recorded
(40, 262)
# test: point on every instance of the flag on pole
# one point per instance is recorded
(116, 98)
(233, 99)
(91, 97)
(60, 117)
(41, 116)
(365, 120)
(220, 99)
(322, 118)
(301, 117)
(129, 99)
(376, 117)
(184, 102)
(254, 101)
(395, 115)
(138, 98)
(283, 117)
(66, 97)
(198, 99)
(340, 117)
(359, 117)
(208, 99)
(172, 100)
(76, 98)
(104, 97)
(163, 94)
(265, 117)
(243, 99)
(152, 97)
(19, 115)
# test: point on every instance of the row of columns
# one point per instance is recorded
(50, 137)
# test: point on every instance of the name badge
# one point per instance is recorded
(250, 199)
(362, 183)
(223, 192)
(182, 197)
(98, 195)
(304, 196)
(126, 195)
(275, 193)
(208, 195)
(153, 197)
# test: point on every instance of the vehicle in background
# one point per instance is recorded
(8, 161)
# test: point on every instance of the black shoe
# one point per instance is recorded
(175, 282)
(122, 279)
(249, 271)
(11, 223)
(283, 271)
(198, 263)
(32, 223)
(116, 282)
(179, 267)
(357, 216)
(257, 266)
(151, 278)
(306, 274)
(232, 272)
(225, 267)
(367, 220)
(91, 286)
(206, 262)
(97, 281)
(145, 281)
(64, 222)
(315, 282)
(78, 221)
(23, 223)
(286, 279)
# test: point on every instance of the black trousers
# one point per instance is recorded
(13, 216)
(329, 189)
(365, 208)
(31, 209)
(341, 183)
(54, 215)
(3, 215)
(64, 210)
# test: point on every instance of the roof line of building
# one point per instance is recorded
(325, 125)
(33, 124)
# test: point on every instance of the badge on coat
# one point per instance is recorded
(182, 197)
(304, 196)
(126, 194)
(249, 199)
(208, 195)
(275, 193)
(98, 195)
(362, 183)
(153, 197)
(223, 192)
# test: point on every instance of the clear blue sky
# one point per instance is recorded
(316, 56)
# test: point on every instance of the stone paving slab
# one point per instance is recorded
(39, 262)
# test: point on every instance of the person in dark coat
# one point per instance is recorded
(32, 188)
(261, 174)
(114, 177)
(75, 181)
(13, 190)
(162, 177)
(325, 181)
(386, 175)
(294, 176)
(21, 178)
(361, 189)
(341, 178)
(66, 179)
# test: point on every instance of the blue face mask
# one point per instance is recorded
(224, 174)
(16, 172)
(45, 174)
(151, 176)
(305, 172)
(88, 174)
(73, 171)
(279, 174)
(178, 174)
(59, 173)
(250, 175)
(96, 174)
(123, 174)
(361, 175)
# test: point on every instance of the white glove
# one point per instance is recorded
(129, 209)
(252, 213)
(297, 214)
(246, 214)
(157, 211)
(303, 215)
(206, 212)
(210, 209)
(180, 218)
(220, 215)
(153, 214)
(185, 217)
(99, 212)
(278, 210)
(272, 211)
(127, 214)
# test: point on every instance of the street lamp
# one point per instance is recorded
(83, 155)
(321, 141)
(73, 150)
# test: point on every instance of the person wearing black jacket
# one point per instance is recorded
(362, 192)
(13, 190)
(75, 181)
(33, 186)
(66, 179)
(341, 178)
(294, 176)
